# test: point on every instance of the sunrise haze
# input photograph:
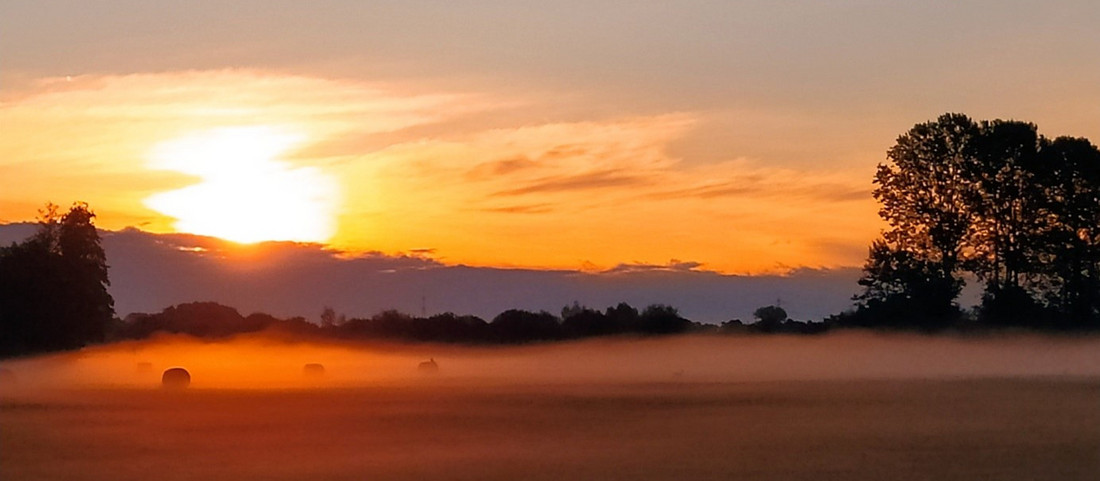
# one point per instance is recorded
(741, 136)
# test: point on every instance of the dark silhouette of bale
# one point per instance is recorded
(176, 378)
(7, 377)
(313, 370)
(428, 367)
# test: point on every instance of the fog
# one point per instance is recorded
(843, 406)
(268, 362)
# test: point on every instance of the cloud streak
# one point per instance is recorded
(446, 170)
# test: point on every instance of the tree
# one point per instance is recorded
(1010, 214)
(769, 318)
(581, 321)
(926, 193)
(994, 199)
(623, 317)
(517, 325)
(329, 319)
(53, 286)
(449, 327)
(904, 289)
(1072, 260)
(662, 319)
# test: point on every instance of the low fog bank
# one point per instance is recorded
(265, 362)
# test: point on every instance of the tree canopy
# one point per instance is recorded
(53, 286)
(994, 200)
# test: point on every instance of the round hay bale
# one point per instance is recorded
(313, 370)
(176, 378)
(428, 367)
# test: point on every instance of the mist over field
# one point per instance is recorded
(271, 362)
(840, 406)
(358, 240)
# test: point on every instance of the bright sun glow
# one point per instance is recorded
(245, 194)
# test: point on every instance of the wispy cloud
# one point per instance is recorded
(673, 265)
(589, 181)
(442, 169)
(110, 124)
(610, 190)
(521, 209)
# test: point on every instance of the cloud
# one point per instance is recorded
(594, 180)
(450, 170)
(496, 168)
(111, 124)
(821, 191)
(521, 209)
(607, 191)
(152, 271)
(672, 266)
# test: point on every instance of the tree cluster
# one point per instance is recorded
(513, 326)
(53, 286)
(774, 320)
(991, 200)
(209, 320)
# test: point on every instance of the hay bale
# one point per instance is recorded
(313, 370)
(428, 367)
(175, 378)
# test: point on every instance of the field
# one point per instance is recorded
(920, 425)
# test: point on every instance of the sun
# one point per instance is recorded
(245, 194)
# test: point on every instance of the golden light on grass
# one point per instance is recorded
(245, 194)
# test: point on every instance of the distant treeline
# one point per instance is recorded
(514, 326)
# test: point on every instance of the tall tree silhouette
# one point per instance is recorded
(53, 287)
(1009, 187)
(1005, 245)
(927, 200)
(1073, 238)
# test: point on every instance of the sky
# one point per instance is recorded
(150, 272)
(731, 137)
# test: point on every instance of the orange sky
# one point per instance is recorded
(348, 166)
(664, 138)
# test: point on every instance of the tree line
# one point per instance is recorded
(211, 320)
